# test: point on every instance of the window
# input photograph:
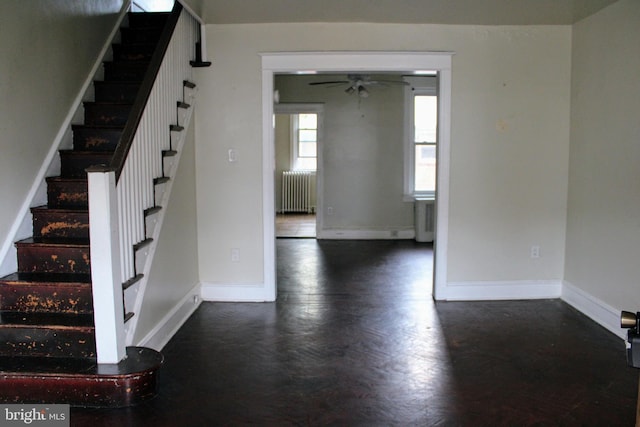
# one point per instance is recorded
(421, 130)
(425, 120)
(304, 141)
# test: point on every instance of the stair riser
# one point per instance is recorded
(133, 52)
(66, 225)
(116, 91)
(67, 194)
(105, 114)
(90, 139)
(140, 35)
(74, 165)
(47, 342)
(125, 72)
(47, 298)
(105, 392)
(129, 383)
(147, 19)
(53, 259)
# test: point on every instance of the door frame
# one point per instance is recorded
(321, 62)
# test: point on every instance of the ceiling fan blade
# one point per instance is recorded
(329, 82)
(385, 82)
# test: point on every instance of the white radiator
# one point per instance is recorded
(297, 191)
(424, 219)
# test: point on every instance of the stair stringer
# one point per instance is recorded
(134, 294)
(22, 226)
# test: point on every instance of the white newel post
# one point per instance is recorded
(108, 305)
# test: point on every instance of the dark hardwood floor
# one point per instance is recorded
(356, 340)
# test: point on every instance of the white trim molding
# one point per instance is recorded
(230, 292)
(397, 61)
(166, 328)
(592, 307)
(503, 290)
(399, 233)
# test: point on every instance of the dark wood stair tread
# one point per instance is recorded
(46, 293)
(116, 83)
(46, 208)
(200, 64)
(81, 382)
(84, 153)
(63, 243)
(138, 359)
(161, 180)
(108, 103)
(69, 179)
(46, 278)
(152, 210)
(101, 126)
(156, 28)
(132, 281)
(142, 244)
(148, 45)
(16, 319)
(67, 192)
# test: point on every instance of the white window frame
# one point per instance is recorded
(295, 142)
(423, 85)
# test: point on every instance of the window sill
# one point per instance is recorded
(421, 197)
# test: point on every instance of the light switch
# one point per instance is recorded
(233, 155)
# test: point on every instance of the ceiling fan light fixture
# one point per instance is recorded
(363, 92)
(349, 90)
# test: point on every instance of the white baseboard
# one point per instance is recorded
(236, 292)
(160, 335)
(506, 290)
(399, 233)
(597, 310)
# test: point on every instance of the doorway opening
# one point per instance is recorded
(298, 130)
(355, 62)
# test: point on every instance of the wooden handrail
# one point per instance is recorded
(129, 131)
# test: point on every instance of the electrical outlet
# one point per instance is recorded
(535, 251)
(235, 255)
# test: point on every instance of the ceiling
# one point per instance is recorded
(465, 12)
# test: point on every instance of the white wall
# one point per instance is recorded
(174, 272)
(362, 153)
(509, 142)
(47, 48)
(603, 221)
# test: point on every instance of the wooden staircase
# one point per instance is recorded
(47, 340)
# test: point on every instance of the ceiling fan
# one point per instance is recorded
(358, 83)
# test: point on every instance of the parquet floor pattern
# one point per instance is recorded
(356, 340)
(296, 225)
